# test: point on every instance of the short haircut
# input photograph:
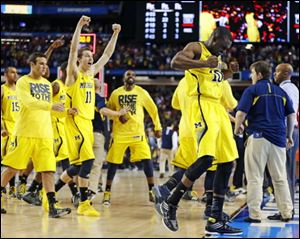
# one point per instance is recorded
(34, 56)
(81, 50)
(7, 69)
(222, 33)
(262, 67)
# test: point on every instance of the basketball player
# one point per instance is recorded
(129, 131)
(35, 97)
(79, 128)
(215, 140)
(36, 185)
(187, 152)
(9, 110)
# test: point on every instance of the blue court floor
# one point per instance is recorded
(267, 228)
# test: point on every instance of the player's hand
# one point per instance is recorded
(239, 130)
(58, 107)
(157, 133)
(124, 110)
(289, 143)
(123, 119)
(84, 20)
(116, 28)
(212, 62)
(4, 132)
(58, 42)
(234, 66)
(73, 111)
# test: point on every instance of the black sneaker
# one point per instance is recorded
(214, 227)
(161, 193)
(55, 212)
(249, 219)
(3, 211)
(169, 216)
(32, 198)
(278, 217)
(75, 200)
(100, 189)
(207, 214)
(91, 195)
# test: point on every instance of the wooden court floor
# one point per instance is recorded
(129, 216)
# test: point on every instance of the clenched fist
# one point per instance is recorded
(212, 62)
(84, 20)
(116, 27)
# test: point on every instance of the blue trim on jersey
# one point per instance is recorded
(266, 105)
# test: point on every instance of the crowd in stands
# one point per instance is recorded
(145, 56)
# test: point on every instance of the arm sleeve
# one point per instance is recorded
(246, 101)
(289, 109)
(175, 100)
(152, 110)
(28, 100)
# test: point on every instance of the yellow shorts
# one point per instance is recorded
(9, 125)
(216, 138)
(139, 149)
(60, 141)
(22, 149)
(4, 145)
(80, 139)
(186, 154)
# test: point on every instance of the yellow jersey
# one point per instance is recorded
(181, 101)
(60, 97)
(227, 99)
(137, 99)
(9, 104)
(205, 81)
(82, 96)
(35, 99)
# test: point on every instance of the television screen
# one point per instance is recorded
(168, 21)
(249, 21)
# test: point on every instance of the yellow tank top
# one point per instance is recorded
(82, 96)
(205, 81)
(10, 105)
(60, 97)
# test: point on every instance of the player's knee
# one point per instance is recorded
(86, 168)
(148, 167)
(198, 167)
(225, 168)
(222, 177)
(73, 170)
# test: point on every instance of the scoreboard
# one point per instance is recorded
(88, 40)
(168, 21)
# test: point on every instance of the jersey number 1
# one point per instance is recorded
(15, 107)
(88, 98)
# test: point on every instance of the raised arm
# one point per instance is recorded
(56, 44)
(189, 57)
(109, 50)
(72, 60)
